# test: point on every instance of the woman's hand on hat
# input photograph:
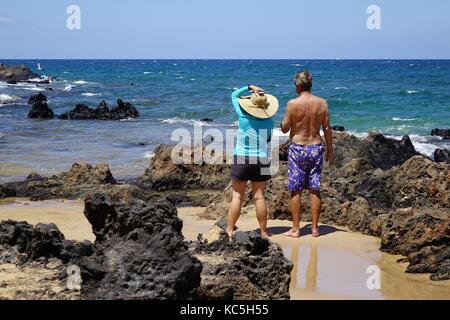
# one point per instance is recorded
(256, 89)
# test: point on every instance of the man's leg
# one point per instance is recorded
(260, 204)
(235, 205)
(296, 198)
(316, 205)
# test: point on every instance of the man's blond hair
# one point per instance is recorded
(304, 80)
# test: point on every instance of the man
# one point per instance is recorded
(304, 117)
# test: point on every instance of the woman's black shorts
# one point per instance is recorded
(250, 169)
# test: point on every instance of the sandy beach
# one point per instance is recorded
(330, 267)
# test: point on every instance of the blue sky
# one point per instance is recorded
(279, 29)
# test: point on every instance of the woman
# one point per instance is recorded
(251, 160)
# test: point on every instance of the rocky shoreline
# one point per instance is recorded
(379, 186)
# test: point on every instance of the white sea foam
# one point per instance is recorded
(425, 145)
(67, 88)
(6, 98)
(403, 119)
(149, 154)
(360, 135)
(412, 91)
(341, 88)
(80, 82)
(175, 120)
(42, 79)
(90, 94)
(2, 134)
(296, 65)
(36, 88)
(147, 72)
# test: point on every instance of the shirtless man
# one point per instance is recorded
(304, 117)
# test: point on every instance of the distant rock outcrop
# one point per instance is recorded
(14, 74)
(123, 110)
(444, 133)
(40, 108)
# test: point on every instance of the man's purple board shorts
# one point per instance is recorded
(305, 164)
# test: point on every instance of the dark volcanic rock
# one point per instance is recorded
(123, 110)
(419, 182)
(250, 268)
(139, 248)
(21, 242)
(442, 155)
(421, 235)
(384, 153)
(206, 120)
(14, 74)
(164, 174)
(444, 133)
(40, 108)
(338, 128)
(6, 192)
(73, 184)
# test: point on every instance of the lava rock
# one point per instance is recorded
(40, 108)
(444, 133)
(139, 248)
(123, 110)
(164, 173)
(338, 128)
(14, 74)
(22, 242)
(442, 155)
(78, 181)
(384, 153)
(249, 268)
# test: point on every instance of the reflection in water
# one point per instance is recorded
(343, 274)
(340, 273)
(311, 273)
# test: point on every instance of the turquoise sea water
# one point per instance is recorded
(395, 97)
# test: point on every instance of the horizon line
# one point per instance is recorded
(342, 59)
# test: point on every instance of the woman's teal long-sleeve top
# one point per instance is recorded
(253, 133)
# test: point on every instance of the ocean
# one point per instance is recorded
(395, 97)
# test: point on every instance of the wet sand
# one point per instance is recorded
(333, 266)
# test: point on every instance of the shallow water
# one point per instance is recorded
(335, 266)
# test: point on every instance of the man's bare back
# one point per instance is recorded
(307, 114)
(304, 117)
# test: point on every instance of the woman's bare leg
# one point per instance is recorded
(235, 205)
(258, 188)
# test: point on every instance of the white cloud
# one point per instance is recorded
(7, 20)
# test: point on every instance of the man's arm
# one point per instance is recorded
(286, 124)
(328, 136)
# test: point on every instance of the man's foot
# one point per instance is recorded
(266, 234)
(292, 233)
(315, 233)
(230, 234)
